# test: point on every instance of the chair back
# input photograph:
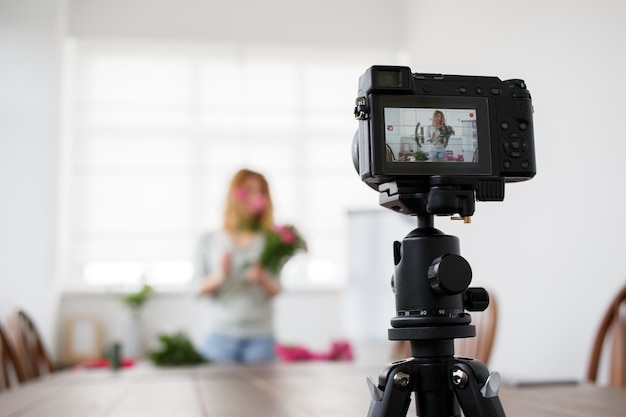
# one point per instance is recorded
(11, 371)
(481, 346)
(612, 330)
(29, 346)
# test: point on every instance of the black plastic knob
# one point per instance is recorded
(449, 274)
(476, 299)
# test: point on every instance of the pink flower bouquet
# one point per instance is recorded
(281, 244)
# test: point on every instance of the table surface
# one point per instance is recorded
(311, 389)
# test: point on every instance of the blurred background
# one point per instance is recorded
(122, 121)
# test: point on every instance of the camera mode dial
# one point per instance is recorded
(449, 274)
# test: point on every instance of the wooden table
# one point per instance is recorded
(313, 389)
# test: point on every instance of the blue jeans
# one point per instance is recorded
(221, 348)
(436, 154)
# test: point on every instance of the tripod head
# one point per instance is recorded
(431, 286)
(431, 283)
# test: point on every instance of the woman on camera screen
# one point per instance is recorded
(439, 135)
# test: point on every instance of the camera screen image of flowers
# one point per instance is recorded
(431, 134)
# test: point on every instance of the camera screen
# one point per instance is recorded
(431, 135)
(440, 136)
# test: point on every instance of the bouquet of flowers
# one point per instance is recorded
(445, 132)
(281, 244)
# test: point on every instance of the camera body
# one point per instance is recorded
(419, 131)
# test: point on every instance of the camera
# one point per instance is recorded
(432, 142)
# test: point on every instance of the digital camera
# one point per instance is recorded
(420, 130)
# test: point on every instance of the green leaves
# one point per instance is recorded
(136, 300)
(176, 349)
(281, 244)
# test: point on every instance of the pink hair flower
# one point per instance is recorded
(240, 194)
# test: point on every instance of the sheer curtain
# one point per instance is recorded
(157, 130)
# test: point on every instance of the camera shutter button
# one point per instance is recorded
(449, 274)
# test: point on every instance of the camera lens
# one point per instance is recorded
(355, 151)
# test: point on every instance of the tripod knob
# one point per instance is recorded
(476, 299)
(449, 274)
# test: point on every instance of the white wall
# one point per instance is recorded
(322, 22)
(30, 65)
(552, 251)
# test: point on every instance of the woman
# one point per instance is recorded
(439, 136)
(231, 277)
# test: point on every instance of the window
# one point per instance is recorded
(158, 129)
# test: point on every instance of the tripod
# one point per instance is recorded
(431, 286)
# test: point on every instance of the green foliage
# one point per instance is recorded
(281, 243)
(176, 349)
(136, 300)
(421, 156)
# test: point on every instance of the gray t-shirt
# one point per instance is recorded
(437, 140)
(238, 309)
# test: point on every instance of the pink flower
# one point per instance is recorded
(287, 236)
(256, 203)
(240, 193)
(280, 245)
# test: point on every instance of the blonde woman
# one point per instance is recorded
(439, 135)
(229, 274)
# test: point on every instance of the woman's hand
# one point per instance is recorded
(213, 282)
(256, 274)
(259, 276)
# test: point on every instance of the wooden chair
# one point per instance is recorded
(612, 329)
(478, 347)
(481, 346)
(11, 371)
(30, 350)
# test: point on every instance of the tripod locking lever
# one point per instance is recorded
(476, 389)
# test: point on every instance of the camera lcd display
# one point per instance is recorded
(440, 138)
(431, 135)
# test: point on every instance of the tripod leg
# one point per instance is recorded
(392, 396)
(476, 389)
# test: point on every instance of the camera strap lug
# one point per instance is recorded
(360, 110)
